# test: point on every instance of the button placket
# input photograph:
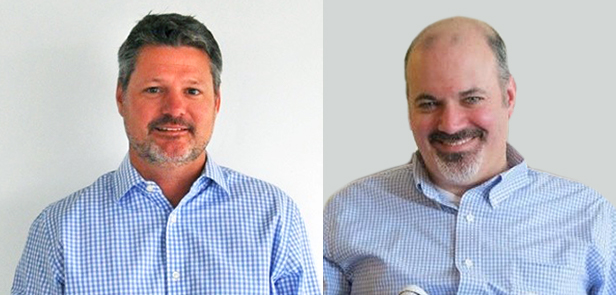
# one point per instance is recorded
(466, 235)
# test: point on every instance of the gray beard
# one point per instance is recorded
(459, 168)
(153, 154)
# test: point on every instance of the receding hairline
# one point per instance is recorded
(459, 29)
(455, 27)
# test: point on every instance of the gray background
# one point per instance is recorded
(61, 129)
(562, 58)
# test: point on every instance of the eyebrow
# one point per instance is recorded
(464, 93)
(190, 81)
(474, 90)
(424, 96)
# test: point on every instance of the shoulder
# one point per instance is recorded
(556, 186)
(369, 199)
(399, 178)
(255, 192)
(558, 196)
(93, 197)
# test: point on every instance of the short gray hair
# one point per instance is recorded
(168, 30)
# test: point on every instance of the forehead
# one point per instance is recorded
(163, 58)
(451, 63)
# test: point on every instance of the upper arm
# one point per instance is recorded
(40, 268)
(293, 266)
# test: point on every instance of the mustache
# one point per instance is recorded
(460, 135)
(168, 119)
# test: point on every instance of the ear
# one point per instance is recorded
(408, 109)
(510, 95)
(120, 99)
(217, 101)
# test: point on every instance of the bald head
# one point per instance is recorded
(458, 31)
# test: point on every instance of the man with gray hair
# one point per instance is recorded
(466, 215)
(169, 220)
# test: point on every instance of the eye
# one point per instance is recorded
(427, 105)
(152, 90)
(472, 99)
(193, 91)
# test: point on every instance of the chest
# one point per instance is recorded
(472, 250)
(157, 252)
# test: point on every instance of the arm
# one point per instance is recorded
(40, 268)
(292, 264)
(334, 281)
(601, 261)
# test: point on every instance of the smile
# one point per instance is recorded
(457, 142)
(171, 129)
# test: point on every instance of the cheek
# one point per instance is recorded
(422, 125)
(204, 119)
(491, 120)
(138, 116)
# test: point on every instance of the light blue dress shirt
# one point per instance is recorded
(521, 232)
(231, 234)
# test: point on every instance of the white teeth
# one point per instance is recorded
(170, 129)
(456, 143)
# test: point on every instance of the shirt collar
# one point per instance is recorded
(497, 189)
(127, 178)
(215, 173)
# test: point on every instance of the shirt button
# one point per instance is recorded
(470, 218)
(149, 188)
(176, 276)
(468, 263)
(173, 218)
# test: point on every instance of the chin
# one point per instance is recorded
(460, 170)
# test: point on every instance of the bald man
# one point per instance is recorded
(466, 215)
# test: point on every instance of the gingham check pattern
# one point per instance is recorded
(521, 232)
(231, 234)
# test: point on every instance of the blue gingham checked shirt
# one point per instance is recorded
(231, 234)
(521, 232)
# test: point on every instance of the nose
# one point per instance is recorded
(452, 119)
(174, 104)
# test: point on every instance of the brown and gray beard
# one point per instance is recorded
(148, 150)
(153, 154)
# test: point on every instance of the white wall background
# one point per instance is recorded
(561, 55)
(60, 127)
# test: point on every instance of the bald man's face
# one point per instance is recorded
(456, 109)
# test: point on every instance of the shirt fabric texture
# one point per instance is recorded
(231, 234)
(521, 232)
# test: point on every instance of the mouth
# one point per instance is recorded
(458, 142)
(456, 146)
(171, 129)
(170, 126)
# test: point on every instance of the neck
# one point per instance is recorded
(175, 181)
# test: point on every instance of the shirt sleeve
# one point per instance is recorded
(292, 264)
(602, 260)
(334, 281)
(39, 269)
